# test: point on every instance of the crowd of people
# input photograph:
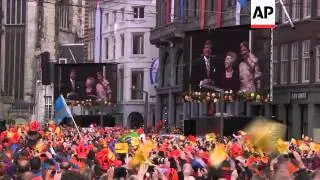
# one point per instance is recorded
(35, 152)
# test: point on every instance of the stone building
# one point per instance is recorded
(296, 73)
(28, 30)
(125, 37)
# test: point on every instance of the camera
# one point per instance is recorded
(158, 160)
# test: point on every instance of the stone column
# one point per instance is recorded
(248, 112)
(311, 119)
(236, 108)
(267, 111)
(203, 109)
(282, 113)
(296, 121)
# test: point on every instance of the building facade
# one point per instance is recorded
(125, 37)
(174, 19)
(28, 30)
(296, 60)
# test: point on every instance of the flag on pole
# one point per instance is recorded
(240, 4)
(62, 110)
(182, 10)
(167, 3)
(243, 3)
(203, 14)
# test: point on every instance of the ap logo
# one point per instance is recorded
(263, 13)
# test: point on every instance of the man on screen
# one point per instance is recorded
(249, 70)
(205, 69)
(73, 86)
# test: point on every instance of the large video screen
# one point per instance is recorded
(78, 82)
(236, 59)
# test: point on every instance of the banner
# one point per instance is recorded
(154, 71)
(121, 148)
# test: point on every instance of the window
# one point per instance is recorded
(294, 62)
(62, 60)
(107, 18)
(318, 63)
(286, 5)
(122, 44)
(92, 19)
(296, 10)
(14, 48)
(306, 8)
(90, 50)
(212, 6)
(137, 85)
(64, 15)
(306, 61)
(48, 107)
(284, 64)
(122, 14)
(138, 12)
(15, 12)
(275, 65)
(137, 44)
(106, 40)
(114, 16)
(114, 48)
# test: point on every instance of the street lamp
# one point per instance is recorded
(146, 102)
(221, 91)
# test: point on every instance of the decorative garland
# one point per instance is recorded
(229, 96)
(91, 103)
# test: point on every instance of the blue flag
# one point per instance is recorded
(243, 3)
(62, 110)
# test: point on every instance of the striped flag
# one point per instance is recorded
(219, 14)
(203, 14)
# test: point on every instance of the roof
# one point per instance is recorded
(72, 52)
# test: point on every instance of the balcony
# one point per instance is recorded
(163, 34)
(21, 107)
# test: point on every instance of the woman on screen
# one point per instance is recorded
(230, 78)
(90, 90)
(103, 87)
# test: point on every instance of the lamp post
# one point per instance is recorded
(221, 91)
(146, 102)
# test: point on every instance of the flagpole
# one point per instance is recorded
(75, 124)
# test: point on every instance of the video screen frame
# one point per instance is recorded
(86, 82)
(255, 44)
